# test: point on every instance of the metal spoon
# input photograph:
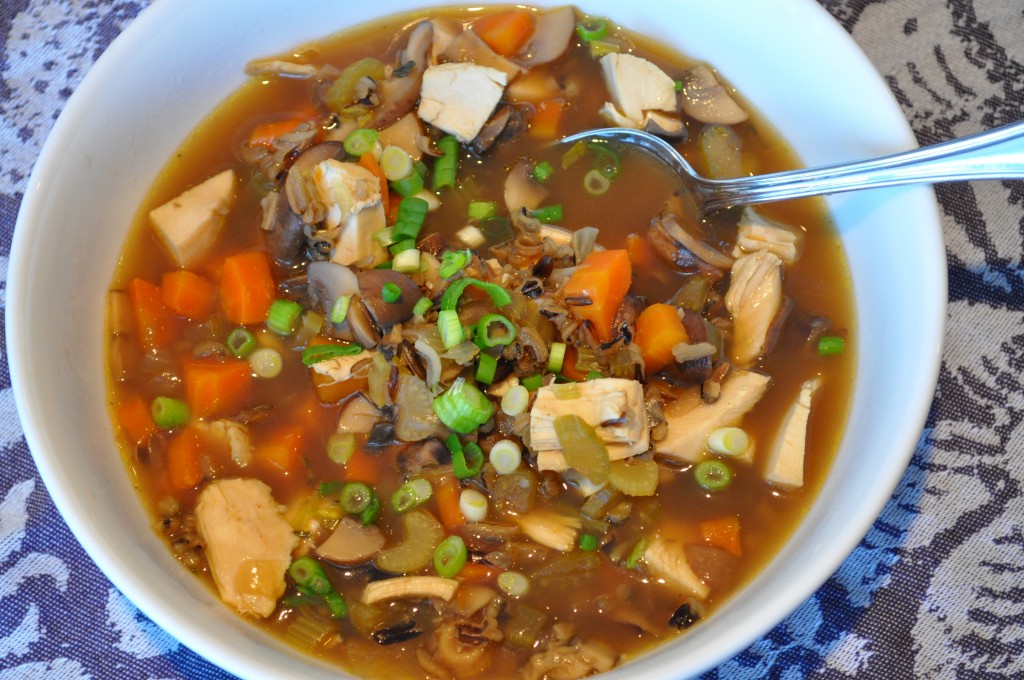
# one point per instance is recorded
(994, 154)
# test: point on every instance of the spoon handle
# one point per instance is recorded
(994, 154)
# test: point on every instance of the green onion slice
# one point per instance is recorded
(411, 213)
(515, 400)
(556, 357)
(548, 214)
(450, 300)
(311, 580)
(466, 459)
(830, 345)
(408, 186)
(505, 456)
(588, 542)
(266, 362)
(482, 210)
(592, 28)
(411, 494)
(463, 407)
(713, 475)
(450, 556)
(637, 553)
(513, 583)
(607, 161)
(542, 171)
(241, 342)
(422, 306)
(314, 354)
(169, 412)
(339, 310)
(283, 316)
(402, 246)
(446, 167)
(486, 338)
(452, 262)
(595, 183)
(486, 367)
(450, 328)
(532, 383)
(340, 447)
(391, 292)
(360, 141)
(593, 375)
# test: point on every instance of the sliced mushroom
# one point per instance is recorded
(552, 33)
(446, 30)
(468, 47)
(285, 235)
(387, 314)
(688, 254)
(706, 100)
(359, 415)
(301, 196)
(405, 134)
(351, 543)
(521, 191)
(399, 92)
(507, 122)
(664, 125)
(416, 458)
(695, 370)
(419, 587)
(327, 281)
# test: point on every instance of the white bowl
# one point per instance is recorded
(179, 59)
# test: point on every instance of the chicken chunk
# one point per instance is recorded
(614, 407)
(757, 232)
(189, 223)
(754, 298)
(248, 543)
(233, 435)
(340, 369)
(637, 85)
(785, 464)
(459, 98)
(351, 195)
(688, 429)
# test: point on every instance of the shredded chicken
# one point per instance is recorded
(754, 298)
(569, 658)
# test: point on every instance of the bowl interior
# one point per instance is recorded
(179, 59)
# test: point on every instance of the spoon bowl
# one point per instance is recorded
(993, 154)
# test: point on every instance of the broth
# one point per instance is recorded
(610, 596)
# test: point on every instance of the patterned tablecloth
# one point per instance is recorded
(935, 589)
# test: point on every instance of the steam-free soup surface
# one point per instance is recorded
(580, 454)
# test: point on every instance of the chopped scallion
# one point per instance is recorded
(396, 163)
(556, 357)
(311, 580)
(486, 367)
(446, 167)
(505, 456)
(593, 375)
(452, 262)
(729, 441)
(473, 505)
(241, 342)
(412, 210)
(637, 553)
(466, 459)
(340, 447)
(266, 362)
(356, 498)
(450, 328)
(463, 407)
(482, 210)
(422, 306)
(830, 345)
(283, 316)
(408, 186)
(548, 214)
(314, 354)
(412, 494)
(360, 141)
(407, 261)
(450, 556)
(450, 299)
(513, 584)
(384, 237)
(542, 171)
(595, 183)
(592, 28)
(588, 542)
(493, 330)
(533, 383)
(678, 85)
(169, 412)
(391, 292)
(607, 161)
(515, 400)
(713, 475)
(402, 246)
(339, 310)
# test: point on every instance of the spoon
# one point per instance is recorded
(986, 155)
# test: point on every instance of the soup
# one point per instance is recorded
(425, 393)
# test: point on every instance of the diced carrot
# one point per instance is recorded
(474, 572)
(369, 161)
(265, 133)
(641, 253)
(723, 533)
(545, 123)
(505, 33)
(217, 388)
(136, 419)
(246, 287)
(187, 294)
(283, 448)
(154, 324)
(658, 330)
(361, 467)
(600, 282)
(569, 369)
(183, 460)
(328, 391)
(447, 493)
(392, 212)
